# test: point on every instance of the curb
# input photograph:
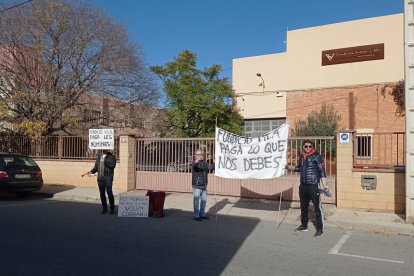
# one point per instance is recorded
(347, 220)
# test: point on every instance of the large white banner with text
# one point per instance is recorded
(261, 157)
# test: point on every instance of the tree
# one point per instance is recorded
(396, 90)
(195, 98)
(53, 54)
(324, 122)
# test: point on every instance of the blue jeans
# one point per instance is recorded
(106, 185)
(199, 209)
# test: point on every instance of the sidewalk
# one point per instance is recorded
(347, 219)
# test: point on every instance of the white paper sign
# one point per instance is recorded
(133, 206)
(101, 139)
(260, 157)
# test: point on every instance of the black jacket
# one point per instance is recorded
(109, 166)
(199, 170)
(311, 168)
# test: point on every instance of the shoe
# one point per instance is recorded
(112, 212)
(302, 228)
(319, 233)
(104, 211)
(205, 218)
(198, 219)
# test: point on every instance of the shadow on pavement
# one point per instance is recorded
(76, 240)
(47, 191)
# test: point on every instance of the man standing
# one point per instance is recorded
(312, 171)
(105, 164)
(199, 181)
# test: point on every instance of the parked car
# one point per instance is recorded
(19, 174)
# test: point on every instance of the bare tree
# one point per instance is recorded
(53, 53)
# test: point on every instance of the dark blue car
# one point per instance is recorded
(19, 174)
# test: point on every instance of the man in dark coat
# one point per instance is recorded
(199, 181)
(104, 165)
(312, 171)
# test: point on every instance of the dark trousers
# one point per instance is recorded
(106, 185)
(306, 194)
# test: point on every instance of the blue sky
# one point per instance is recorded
(221, 30)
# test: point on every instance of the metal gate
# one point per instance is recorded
(165, 163)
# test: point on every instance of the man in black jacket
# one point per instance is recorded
(199, 181)
(312, 171)
(105, 164)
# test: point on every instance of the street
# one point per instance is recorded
(42, 236)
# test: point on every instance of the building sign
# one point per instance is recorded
(123, 139)
(344, 138)
(101, 139)
(353, 54)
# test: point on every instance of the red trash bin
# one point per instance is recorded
(156, 203)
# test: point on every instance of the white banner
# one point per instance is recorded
(101, 139)
(261, 157)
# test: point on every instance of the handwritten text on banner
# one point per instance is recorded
(259, 157)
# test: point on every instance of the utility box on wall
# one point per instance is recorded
(369, 182)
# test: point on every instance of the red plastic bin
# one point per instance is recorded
(156, 203)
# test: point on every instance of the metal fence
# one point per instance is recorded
(379, 150)
(171, 154)
(176, 155)
(52, 147)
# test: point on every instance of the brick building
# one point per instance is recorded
(344, 64)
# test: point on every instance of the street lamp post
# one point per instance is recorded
(262, 84)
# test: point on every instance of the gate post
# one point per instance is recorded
(126, 167)
(344, 165)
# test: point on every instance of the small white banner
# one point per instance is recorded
(133, 206)
(101, 139)
(261, 157)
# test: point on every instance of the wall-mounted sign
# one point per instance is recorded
(101, 139)
(344, 138)
(353, 54)
(123, 139)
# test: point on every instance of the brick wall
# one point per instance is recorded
(68, 172)
(360, 106)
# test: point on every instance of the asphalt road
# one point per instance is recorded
(41, 236)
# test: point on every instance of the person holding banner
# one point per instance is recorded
(199, 181)
(312, 171)
(104, 165)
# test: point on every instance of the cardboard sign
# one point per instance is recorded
(133, 206)
(101, 139)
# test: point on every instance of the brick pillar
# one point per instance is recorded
(344, 175)
(125, 170)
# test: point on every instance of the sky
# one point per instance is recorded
(221, 30)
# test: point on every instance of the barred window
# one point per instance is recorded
(253, 128)
(364, 143)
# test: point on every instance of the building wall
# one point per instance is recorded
(69, 172)
(300, 67)
(360, 106)
(389, 195)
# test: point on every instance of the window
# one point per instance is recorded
(364, 144)
(254, 128)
